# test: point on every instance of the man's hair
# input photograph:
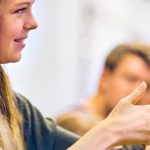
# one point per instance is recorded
(116, 55)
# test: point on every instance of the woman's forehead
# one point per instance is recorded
(8, 4)
(18, 1)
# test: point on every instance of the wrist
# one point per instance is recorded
(108, 136)
(102, 136)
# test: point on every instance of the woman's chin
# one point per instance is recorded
(17, 59)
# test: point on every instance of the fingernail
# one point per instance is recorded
(143, 85)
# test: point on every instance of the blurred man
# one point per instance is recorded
(125, 68)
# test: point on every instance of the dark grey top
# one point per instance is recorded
(42, 134)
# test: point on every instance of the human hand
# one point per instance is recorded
(130, 122)
(126, 124)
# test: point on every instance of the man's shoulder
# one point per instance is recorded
(77, 120)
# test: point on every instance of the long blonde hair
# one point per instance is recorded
(10, 118)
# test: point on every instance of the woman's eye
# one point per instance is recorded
(20, 11)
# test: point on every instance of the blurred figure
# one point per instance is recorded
(125, 68)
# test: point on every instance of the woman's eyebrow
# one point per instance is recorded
(25, 2)
(22, 3)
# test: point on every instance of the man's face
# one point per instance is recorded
(129, 73)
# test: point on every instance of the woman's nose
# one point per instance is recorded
(31, 23)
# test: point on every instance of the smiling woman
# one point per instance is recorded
(15, 22)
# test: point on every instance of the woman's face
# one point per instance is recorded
(16, 20)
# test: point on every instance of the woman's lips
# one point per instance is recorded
(20, 42)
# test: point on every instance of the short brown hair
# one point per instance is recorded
(139, 49)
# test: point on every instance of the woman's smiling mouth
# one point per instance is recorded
(20, 42)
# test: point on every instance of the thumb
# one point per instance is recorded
(137, 94)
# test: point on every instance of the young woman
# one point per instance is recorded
(22, 127)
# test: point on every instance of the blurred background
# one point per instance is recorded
(63, 58)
